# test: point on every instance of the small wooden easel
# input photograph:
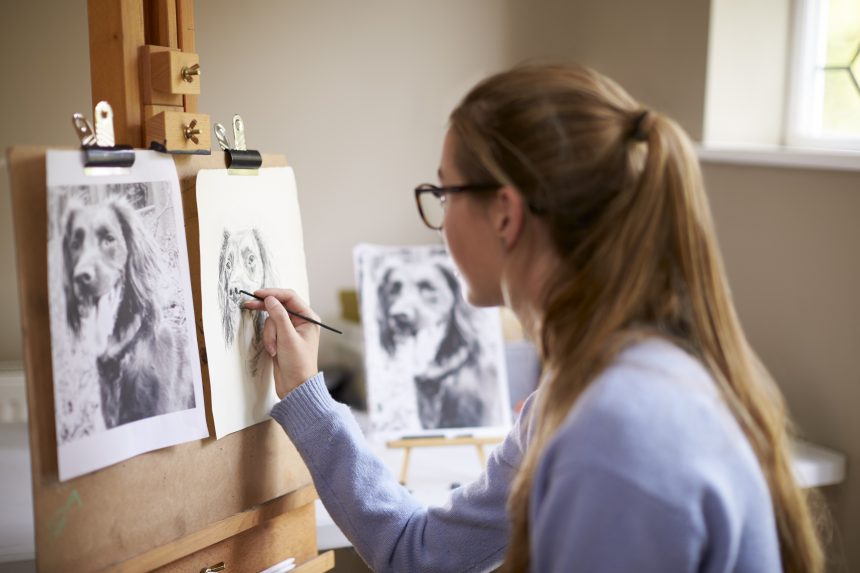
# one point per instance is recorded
(435, 441)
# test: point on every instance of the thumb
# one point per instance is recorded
(279, 315)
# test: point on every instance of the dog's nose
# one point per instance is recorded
(401, 320)
(84, 278)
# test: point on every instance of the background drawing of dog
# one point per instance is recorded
(423, 318)
(244, 263)
(111, 275)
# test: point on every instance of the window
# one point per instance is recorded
(824, 97)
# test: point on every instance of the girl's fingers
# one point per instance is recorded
(253, 304)
(278, 314)
(270, 336)
(289, 299)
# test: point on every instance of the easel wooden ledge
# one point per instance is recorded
(436, 441)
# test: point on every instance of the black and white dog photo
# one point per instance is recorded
(424, 326)
(118, 312)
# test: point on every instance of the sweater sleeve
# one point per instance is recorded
(591, 519)
(389, 528)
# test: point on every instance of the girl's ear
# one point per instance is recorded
(508, 215)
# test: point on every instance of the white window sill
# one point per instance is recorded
(777, 156)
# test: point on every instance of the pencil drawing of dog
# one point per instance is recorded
(422, 313)
(111, 274)
(244, 264)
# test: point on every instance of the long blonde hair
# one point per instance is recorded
(620, 191)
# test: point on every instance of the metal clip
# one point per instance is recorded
(104, 125)
(188, 73)
(240, 160)
(239, 133)
(221, 136)
(101, 155)
(214, 568)
(84, 130)
(191, 131)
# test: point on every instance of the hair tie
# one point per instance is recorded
(641, 128)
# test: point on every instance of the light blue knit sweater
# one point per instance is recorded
(649, 473)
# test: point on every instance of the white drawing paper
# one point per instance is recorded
(250, 238)
(126, 369)
(434, 363)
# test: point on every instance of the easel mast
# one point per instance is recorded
(142, 61)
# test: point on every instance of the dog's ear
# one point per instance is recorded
(461, 327)
(386, 334)
(73, 311)
(223, 289)
(269, 276)
(142, 268)
(269, 279)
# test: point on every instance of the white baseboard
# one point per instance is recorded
(13, 393)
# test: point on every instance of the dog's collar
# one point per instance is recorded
(449, 368)
(116, 352)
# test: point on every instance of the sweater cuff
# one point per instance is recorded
(305, 406)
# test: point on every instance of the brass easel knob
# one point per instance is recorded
(214, 568)
(191, 131)
(188, 73)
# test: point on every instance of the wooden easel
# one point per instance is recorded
(242, 503)
(432, 442)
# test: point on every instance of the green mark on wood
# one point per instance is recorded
(58, 521)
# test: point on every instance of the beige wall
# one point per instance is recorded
(44, 55)
(356, 95)
(790, 240)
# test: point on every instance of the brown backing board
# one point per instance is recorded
(121, 513)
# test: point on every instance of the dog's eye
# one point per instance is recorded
(77, 240)
(108, 240)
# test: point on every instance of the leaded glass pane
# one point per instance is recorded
(841, 106)
(843, 31)
(840, 82)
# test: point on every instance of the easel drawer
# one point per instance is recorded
(291, 534)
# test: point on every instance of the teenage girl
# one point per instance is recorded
(656, 440)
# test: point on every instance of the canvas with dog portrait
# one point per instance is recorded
(250, 238)
(434, 363)
(126, 370)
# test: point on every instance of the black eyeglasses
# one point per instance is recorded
(431, 200)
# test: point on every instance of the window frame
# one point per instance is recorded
(809, 22)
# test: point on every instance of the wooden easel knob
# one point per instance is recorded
(171, 72)
(191, 132)
(178, 132)
(188, 73)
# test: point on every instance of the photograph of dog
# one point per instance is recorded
(244, 263)
(122, 347)
(420, 331)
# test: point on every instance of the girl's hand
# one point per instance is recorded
(293, 343)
